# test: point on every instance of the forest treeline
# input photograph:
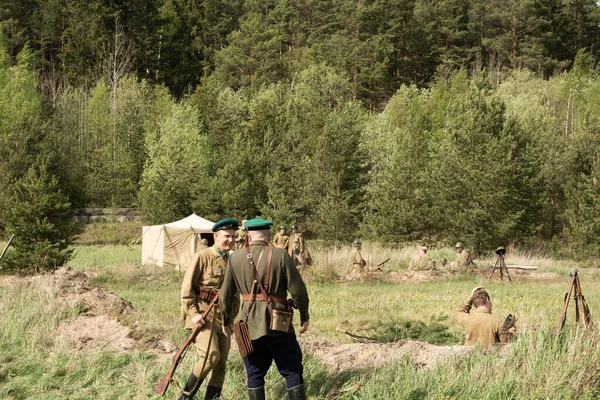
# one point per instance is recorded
(396, 121)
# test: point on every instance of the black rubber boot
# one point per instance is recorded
(212, 393)
(256, 393)
(191, 387)
(297, 393)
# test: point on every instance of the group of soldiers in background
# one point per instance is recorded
(294, 244)
(420, 261)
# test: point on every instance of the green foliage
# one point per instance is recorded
(38, 215)
(485, 187)
(396, 142)
(175, 178)
(395, 330)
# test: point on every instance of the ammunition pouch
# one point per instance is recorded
(242, 338)
(281, 320)
(207, 294)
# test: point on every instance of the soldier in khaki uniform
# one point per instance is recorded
(281, 238)
(241, 237)
(421, 261)
(464, 258)
(269, 345)
(481, 327)
(298, 251)
(203, 244)
(358, 262)
(201, 284)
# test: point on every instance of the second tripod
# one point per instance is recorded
(500, 264)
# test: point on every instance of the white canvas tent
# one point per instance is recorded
(175, 243)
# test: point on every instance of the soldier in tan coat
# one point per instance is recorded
(281, 238)
(203, 244)
(421, 261)
(481, 327)
(464, 258)
(201, 284)
(276, 270)
(241, 237)
(297, 249)
(358, 262)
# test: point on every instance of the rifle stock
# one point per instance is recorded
(166, 380)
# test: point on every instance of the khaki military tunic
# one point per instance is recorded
(463, 260)
(421, 262)
(284, 278)
(281, 240)
(241, 238)
(358, 263)
(481, 327)
(206, 271)
(298, 251)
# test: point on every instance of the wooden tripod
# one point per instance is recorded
(501, 266)
(575, 288)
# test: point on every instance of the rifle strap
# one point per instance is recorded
(252, 296)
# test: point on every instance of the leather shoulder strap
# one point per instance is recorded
(268, 275)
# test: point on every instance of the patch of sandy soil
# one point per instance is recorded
(352, 356)
(100, 315)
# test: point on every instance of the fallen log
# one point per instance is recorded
(523, 267)
(526, 267)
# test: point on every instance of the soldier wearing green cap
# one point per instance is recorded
(201, 284)
(358, 262)
(297, 249)
(464, 258)
(282, 277)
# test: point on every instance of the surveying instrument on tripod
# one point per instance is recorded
(575, 288)
(500, 265)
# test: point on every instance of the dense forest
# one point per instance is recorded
(391, 120)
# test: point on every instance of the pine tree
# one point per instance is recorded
(482, 184)
(37, 213)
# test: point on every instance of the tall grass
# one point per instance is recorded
(33, 365)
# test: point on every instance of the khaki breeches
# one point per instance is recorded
(217, 353)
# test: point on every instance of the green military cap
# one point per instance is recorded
(459, 244)
(226, 223)
(295, 227)
(282, 227)
(258, 224)
(357, 243)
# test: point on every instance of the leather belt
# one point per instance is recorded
(261, 297)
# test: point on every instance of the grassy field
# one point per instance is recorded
(34, 365)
